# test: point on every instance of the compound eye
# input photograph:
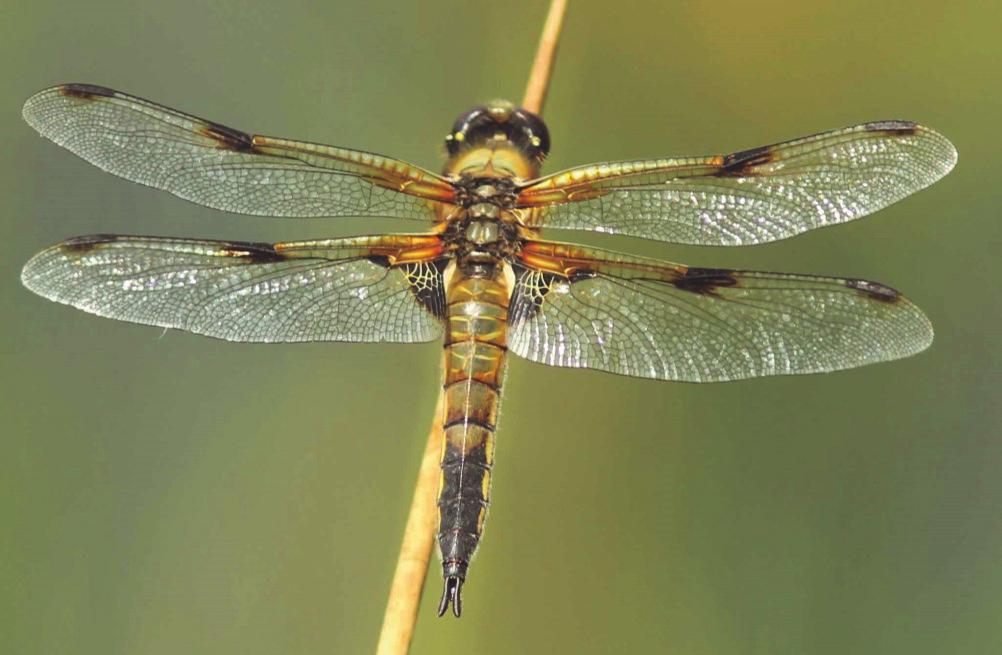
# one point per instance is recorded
(536, 134)
(467, 119)
(465, 122)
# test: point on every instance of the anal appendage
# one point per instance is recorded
(452, 593)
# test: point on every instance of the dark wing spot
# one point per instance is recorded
(86, 91)
(255, 253)
(227, 137)
(531, 287)
(874, 290)
(427, 284)
(379, 260)
(705, 281)
(83, 245)
(905, 128)
(739, 164)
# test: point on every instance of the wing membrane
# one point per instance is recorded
(220, 167)
(749, 197)
(334, 290)
(588, 308)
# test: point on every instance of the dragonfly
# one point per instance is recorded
(480, 277)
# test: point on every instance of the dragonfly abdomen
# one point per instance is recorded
(475, 352)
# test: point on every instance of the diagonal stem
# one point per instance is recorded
(415, 551)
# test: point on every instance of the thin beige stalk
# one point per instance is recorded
(539, 77)
(415, 551)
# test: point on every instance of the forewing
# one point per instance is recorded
(220, 167)
(335, 290)
(748, 197)
(665, 321)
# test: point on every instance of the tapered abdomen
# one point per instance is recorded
(475, 353)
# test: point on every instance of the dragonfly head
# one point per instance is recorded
(500, 123)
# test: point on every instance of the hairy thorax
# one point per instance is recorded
(484, 229)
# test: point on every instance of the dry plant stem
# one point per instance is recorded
(419, 535)
(539, 78)
(419, 539)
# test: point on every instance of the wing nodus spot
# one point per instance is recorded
(228, 138)
(705, 281)
(875, 290)
(741, 164)
(255, 253)
(85, 91)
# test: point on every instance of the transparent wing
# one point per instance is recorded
(220, 167)
(748, 197)
(335, 290)
(588, 308)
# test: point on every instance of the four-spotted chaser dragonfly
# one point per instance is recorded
(482, 277)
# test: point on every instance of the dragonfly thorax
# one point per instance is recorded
(477, 194)
(479, 232)
(483, 231)
(482, 234)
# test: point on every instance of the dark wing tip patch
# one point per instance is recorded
(875, 290)
(705, 281)
(86, 91)
(227, 137)
(743, 163)
(905, 128)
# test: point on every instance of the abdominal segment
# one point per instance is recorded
(475, 354)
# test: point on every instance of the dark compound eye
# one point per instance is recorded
(468, 123)
(523, 129)
(535, 136)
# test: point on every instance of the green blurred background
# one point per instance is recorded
(175, 494)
